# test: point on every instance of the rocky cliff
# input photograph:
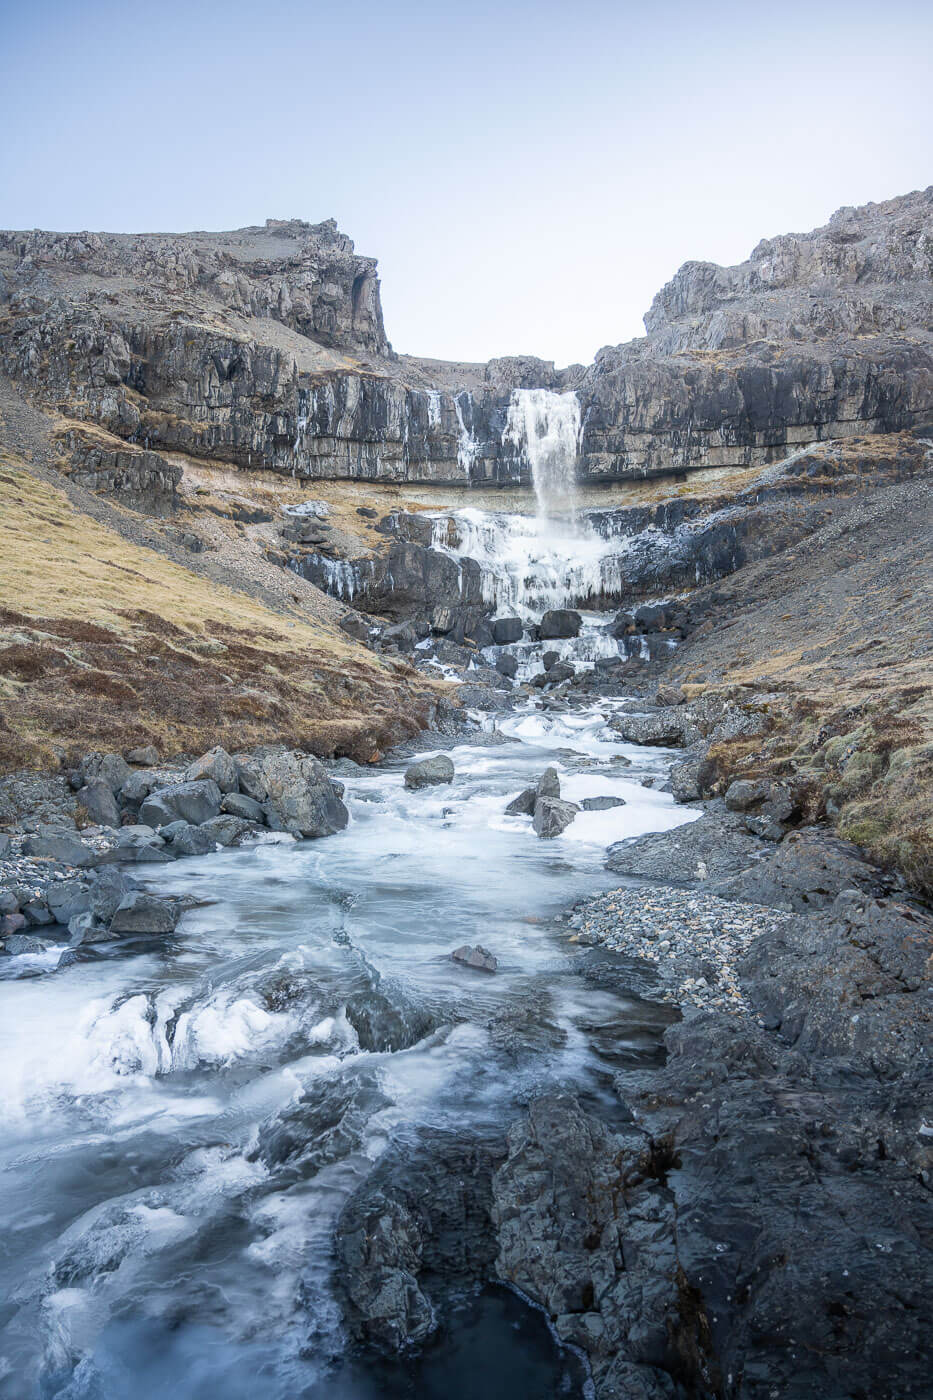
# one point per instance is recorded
(265, 347)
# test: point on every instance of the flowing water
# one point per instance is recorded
(158, 1239)
(150, 1248)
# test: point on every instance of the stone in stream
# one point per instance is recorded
(19, 943)
(560, 623)
(430, 772)
(506, 630)
(601, 804)
(139, 912)
(552, 816)
(560, 671)
(299, 791)
(549, 659)
(478, 957)
(507, 665)
(548, 785)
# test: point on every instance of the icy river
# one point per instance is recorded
(156, 1240)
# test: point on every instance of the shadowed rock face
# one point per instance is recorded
(245, 347)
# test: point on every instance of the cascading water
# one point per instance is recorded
(544, 428)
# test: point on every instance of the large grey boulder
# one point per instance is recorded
(65, 898)
(548, 785)
(300, 792)
(59, 846)
(139, 912)
(237, 804)
(138, 787)
(110, 768)
(430, 772)
(97, 799)
(552, 816)
(663, 729)
(506, 630)
(559, 623)
(192, 840)
(193, 802)
(217, 765)
(807, 871)
(227, 829)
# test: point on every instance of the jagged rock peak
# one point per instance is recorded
(307, 276)
(868, 271)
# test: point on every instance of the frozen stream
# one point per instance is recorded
(149, 1247)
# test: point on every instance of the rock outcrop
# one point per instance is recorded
(265, 347)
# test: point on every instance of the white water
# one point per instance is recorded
(146, 1249)
(544, 429)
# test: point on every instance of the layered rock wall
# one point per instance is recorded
(265, 347)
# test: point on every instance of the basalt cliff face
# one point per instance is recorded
(265, 348)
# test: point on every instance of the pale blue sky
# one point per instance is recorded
(527, 174)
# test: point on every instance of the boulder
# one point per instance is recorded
(548, 785)
(192, 840)
(226, 829)
(218, 765)
(478, 957)
(9, 903)
(10, 924)
(601, 804)
(506, 630)
(549, 659)
(560, 671)
(560, 623)
(97, 799)
(37, 913)
(18, 943)
(59, 846)
(355, 626)
(137, 843)
(195, 802)
(237, 804)
(552, 816)
(301, 794)
(663, 729)
(109, 891)
(66, 898)
(145, 757)
(139, 912)
(744, 794)
(685, 780)
(110, 768)
(670, 695)
(430, 772)
(138, 787)
(507, 665)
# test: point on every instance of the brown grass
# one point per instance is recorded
(104, 644)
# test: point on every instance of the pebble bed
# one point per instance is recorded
(694, 940)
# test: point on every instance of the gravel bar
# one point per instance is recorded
(694, 940)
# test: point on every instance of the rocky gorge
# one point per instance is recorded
(465, 838)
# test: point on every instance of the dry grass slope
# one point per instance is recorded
(104, 643)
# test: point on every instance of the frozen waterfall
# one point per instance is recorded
(544, 428)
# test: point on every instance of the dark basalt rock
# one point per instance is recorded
(192, 802)
(506, 630)
(809, 869)
(714, 847)
(560, 623)
(418, 1230)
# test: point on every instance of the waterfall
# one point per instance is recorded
(544, 428)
